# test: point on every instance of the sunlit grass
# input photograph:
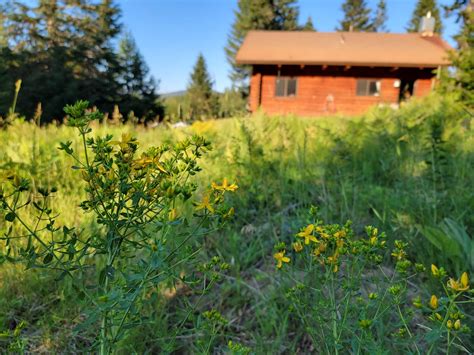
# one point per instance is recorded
(408, 172)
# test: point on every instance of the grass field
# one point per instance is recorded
(410, 173)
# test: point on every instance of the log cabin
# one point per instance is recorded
(314, 73)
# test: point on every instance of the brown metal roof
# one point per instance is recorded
(343, 48)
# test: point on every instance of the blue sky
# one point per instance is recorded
(171, 33)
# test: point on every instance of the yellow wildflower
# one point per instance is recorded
(320, 249)
(225, 186)
(434, 302)
(85, 176)
(340, 234)
(126, 139)
(465, 280)
(449, 324)
(172, 214)
(17, 86)
(373, 240)
(459, 285)
(333, 260)
(142, 162)
(399, 254)
(205, 204)
(281, 258)
(434, 270)
(438, 316)
(297, 246)
(457, 325)
(307, 234)
(230, 213)
(325, 235)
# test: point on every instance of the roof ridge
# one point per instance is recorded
(353, 48)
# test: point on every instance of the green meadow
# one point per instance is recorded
(407, 173)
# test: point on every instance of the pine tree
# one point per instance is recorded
(463, 59)
(285, 15)
(257, 15)
(356, 17)
(65, 50)
(37, 53)
(203, 102)
(380, 18)
(95, 51)
(137, 87)
(3, 37)
(231, 103)
(421, 10)
(308, 26)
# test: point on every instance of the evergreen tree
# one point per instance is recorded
(63, 50)
(380, 18)
(285, 15)
(356, 17)
(463, 58)
(3, 37)
(37, 53)
(231, 103)
(257, 15)
(137, 87)
(203, 102)
(421, 9)
(308, 26)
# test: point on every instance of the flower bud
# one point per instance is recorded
(434, 302)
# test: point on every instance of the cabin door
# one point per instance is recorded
(406, 90)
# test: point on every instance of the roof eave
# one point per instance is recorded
(358, 64)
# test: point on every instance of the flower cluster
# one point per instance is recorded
(445, 310)
(327, 243)
(212, 201)
(344, 293)
(134, 195)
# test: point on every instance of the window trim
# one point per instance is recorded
(287, 78)
(378, 83)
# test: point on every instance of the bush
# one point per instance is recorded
(349, 302)
(136, 201)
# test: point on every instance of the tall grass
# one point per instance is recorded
(410, 172)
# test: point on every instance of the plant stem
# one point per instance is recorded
(406, 327)
(104, 350)
(334, 313)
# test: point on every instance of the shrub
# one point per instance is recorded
(348, 301)
(136, 199)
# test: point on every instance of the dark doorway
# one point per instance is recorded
(406, 90)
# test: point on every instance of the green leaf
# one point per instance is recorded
(442, 241)
(48, 258)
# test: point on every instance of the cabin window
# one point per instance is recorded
(285, 86)
(368, 87)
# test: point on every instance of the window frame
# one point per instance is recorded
(378, 86)
(286, 79)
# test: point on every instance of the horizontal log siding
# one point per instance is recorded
(316, 85)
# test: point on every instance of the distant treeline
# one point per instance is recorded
(64, 50)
